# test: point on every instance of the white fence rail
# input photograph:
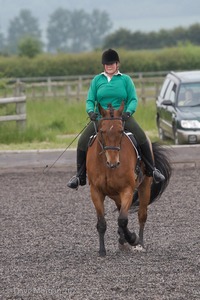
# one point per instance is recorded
(76, 87)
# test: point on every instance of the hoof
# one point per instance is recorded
(102, 253)
(135, 240)
(126, 247)
(122, 241)
(139, 248)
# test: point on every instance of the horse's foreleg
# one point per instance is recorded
(126, 200)
(98, 200)
(122, 239)
(101, 228)
(123, 230)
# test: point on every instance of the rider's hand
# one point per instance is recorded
(93, 116)
(125, 116)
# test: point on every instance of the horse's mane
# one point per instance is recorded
(111, 109)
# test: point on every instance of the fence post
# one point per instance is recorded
(18, 88)
(79, 87)
(142, 89)
(68, 90)
(20, 110)
(49, 85)
(156, 89)
(20, 106)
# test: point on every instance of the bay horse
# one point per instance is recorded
(112, 168)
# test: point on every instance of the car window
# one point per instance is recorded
(171, 92)
(164, 87)
(189, 94)
(172, 95)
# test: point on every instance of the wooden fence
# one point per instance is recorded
(76, 87)
(20, 116)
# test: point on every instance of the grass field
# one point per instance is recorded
(55, 124)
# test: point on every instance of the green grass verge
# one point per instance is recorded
(54, 123)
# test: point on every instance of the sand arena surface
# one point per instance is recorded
(49, 242)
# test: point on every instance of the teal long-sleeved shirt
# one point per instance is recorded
(119, 88)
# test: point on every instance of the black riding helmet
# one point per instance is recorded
(110, 56)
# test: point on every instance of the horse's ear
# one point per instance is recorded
(121, 109)
(102, 110)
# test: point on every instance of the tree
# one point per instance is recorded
(68, 31)
(99, 25)
(119, 39)
(30, 47)
(76, 31)
(194, 33)
(24, 25)
(79, 30)
(2, 42)
(58, 30)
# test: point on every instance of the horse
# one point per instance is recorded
(115, 169)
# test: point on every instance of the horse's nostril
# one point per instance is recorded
(113, 166)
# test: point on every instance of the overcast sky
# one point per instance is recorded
(144, 15)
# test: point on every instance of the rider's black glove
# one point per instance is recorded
(93, 116)
(125, 116)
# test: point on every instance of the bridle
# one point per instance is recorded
(102, 142)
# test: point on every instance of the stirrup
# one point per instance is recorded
(158, 176)
(74, 182)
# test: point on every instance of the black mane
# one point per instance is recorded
(111, 109)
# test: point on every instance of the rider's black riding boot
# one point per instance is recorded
(80, 177)
(151, 170)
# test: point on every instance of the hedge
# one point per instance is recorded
(89, 63)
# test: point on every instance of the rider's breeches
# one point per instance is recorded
(85, 136)
(130, 125)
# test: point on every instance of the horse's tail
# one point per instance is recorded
(162, 163)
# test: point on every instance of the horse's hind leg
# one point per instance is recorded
(144, 198)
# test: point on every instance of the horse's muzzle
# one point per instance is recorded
(113, 165)
(112, 157)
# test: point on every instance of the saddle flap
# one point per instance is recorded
(134, 142)
(91, 140)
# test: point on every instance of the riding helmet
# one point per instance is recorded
(110, 56)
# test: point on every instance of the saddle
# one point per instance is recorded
(135, 144)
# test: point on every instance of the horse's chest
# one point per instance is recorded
(111, 183)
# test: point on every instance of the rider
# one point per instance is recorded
(113, 87)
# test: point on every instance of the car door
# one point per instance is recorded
(169, 112)
(160, 107)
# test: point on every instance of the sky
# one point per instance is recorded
(143, 15)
